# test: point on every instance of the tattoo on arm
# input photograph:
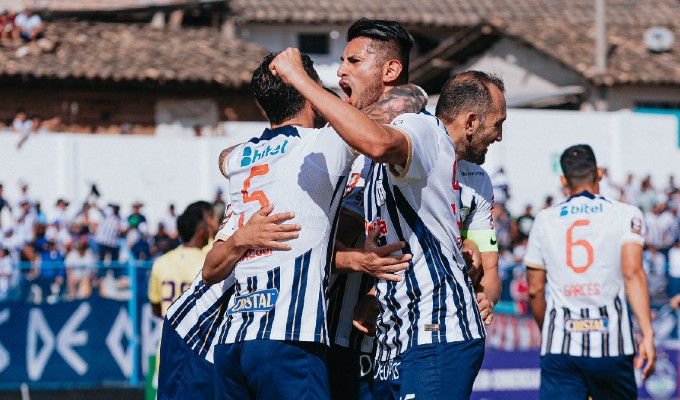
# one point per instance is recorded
(408, 98)
(223, 156)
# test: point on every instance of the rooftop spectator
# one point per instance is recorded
(28, 26)
(21, 122)
(6, 24)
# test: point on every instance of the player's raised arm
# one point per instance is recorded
(378, 142)
(263, 231)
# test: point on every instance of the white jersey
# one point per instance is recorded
(420, 205)
(476, 195)
(578, 243)
(280, 295)
(346, 289)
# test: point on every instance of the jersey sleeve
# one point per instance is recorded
(423, 138)
(155, 296)
(533, 258)
(634, 227)
(478, 225)
(353, 199)
(330, 153)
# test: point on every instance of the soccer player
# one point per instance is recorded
(429, 320)
(589, 252)
(276, 325)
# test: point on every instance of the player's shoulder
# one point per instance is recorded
(471, 171)
(417, 118)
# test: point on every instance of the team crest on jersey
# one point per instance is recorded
(636, 225)
(586, 325)
(262, 300)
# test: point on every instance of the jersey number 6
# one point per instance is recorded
(580, 243)
(257, 195)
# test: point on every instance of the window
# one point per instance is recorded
(314, 43)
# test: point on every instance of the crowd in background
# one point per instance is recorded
(70, 252)
(24, 26)
(49, 254)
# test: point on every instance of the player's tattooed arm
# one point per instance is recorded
(223, 157)
(403, 99)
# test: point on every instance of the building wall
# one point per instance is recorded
(625, 97)
(104, 109)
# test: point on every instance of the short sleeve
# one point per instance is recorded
(353, 199)
(424, 134)
(634, 227)
(533, 258)
(155, 296)
(329, 152)
(478, 224)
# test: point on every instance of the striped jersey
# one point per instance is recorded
(420, 205)
(476, 195)
(578, 243)
(281, 295)
(346, 289)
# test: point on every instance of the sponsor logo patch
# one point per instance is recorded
(262, 300)
(636, 226)
(586, 325)
(582, 209)
(250, 155)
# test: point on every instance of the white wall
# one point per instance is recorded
(161, 170)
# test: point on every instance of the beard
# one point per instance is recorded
(476, 149)
(371, 93)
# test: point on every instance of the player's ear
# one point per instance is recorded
(391, 71)
(564, 182)
(600, 174)
(471, 123)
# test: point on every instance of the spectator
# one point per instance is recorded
(6, 24)
(501, 190)
(6, 274)
(60, 214)
(608, 188)
(28, 26)
(674, 269)
(163, 242)
(80, 263)
(525, 221)
(26, 223)
(137, 242)
(4, 204)
(219, 205)
(21, 123)
(648, 198)
(137, 218)
(24, 196)
(108, 234)
(52, 274)
(549, 200)
(170, 222)
(631, 191)
(40, 216)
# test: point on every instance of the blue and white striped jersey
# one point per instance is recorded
(578, 243)
(420, 205)
(281, 295)
(198, 314)
(345, 290)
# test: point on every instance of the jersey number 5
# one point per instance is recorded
(579, 243)
(257, 195)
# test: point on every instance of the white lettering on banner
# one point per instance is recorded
(507, 379)
(70, 337)
(4, 354)
(121, 328)
(37, 326)
(409, 397)
(151, 333)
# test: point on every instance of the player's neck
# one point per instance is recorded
(195, 243)
(594, 189)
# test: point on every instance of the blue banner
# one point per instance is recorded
(516, 375)
(87, 342)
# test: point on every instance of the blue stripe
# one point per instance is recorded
(475, 305)
(294, 297)
(412, 288)
(230, 318)
(188, 304)
(247, 317)
(300, 306)
(271, 315)
(436, 262)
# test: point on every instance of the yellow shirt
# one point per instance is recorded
(172, 274)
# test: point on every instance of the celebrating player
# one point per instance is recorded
(430, 319)
(589, 250)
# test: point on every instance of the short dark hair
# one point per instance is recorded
(279, 100)
(191, 219)
(579, 165)
(396, 40)
(467, 91)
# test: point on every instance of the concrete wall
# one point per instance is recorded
(161, 170)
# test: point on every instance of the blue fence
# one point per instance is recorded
(101, 334)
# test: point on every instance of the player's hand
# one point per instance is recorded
(288, 65)
(485, 308)
(646, 356)
(472, 256)
(366, 315)
(265, 230)
(376, 260)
